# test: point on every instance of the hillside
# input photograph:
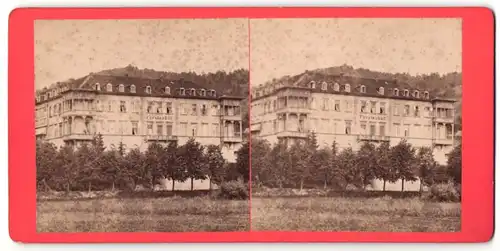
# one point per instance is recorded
(446, 85)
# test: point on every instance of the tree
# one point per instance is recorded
(403, 161)
(454, 164)
(66, 166)
(134, 167)
(300, 160)
(89, 163)
(366, 161)
(384, 169)
(323, 165)
(425, 166)
(260, 161)
(193, 160)
(46, 153)
(279, 159)
(215, 162)
(174, 169)
(155, 155)
(346, 170)
(242, 161)
(110, 168)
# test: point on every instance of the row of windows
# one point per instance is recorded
(166, 90)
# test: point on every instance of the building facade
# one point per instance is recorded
(351, 110)
(136, 112)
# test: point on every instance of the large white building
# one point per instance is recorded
(351, 110)
(137, 111)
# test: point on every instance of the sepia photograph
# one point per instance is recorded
(355, 124)
(142, 125)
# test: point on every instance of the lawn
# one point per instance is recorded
(353, 214)
(172, 214)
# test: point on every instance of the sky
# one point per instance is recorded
(282, 47)
(73, 48)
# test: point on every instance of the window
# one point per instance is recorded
(215, 130)
(417, 111)
(192, 92)
(407, 93)
(203, 92)
(182, 91)
(382, 129)
(347, 88)
(123, 107)
(337, 105)
(312, 85)
(373, 106)
(148, 89)
(215, 110)
(363, 106)
(194, 129)
(396, 129)
(121, 88)
(426, 95)
(150, 128)
(159, 107)
(396, 92)
(149, 107)
(110, 106)
(159, 129)
(274, 105)
(325, 104)
(204, 110)
(336, 87)
(407, 110)
(212, 92)
(407, 131)
(363, 89)
(382, 108)
(167, 90)
(109, 87)
(169, 129)
(427, 112)
(381, 90)
(372, 129)
(396, 110)
(324, 86)
(416, 94)
(194, 110)
(169, 107)
(97, 87)
(347, 127)
(363, 128)
(132, 88)
(135, 127)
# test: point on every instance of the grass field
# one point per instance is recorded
(354, 214)
(173, 214)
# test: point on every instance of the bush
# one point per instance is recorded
(233, 190)
(444, 192)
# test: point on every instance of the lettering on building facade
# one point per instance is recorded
(372, 117)
(159, 117)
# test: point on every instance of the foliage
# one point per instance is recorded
(455, 164)
(193, 161)
(384, 169)
(215, 163)
(242, 160)
(403, 160)
(366, 163)
(234, 190)
(425, 166)
(444, 192)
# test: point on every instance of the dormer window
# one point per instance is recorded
(416, 94)
(121, 88)
(192, 92)
(426, 95)
(396, 92)
(48, 95)
(148, 89)
(182, 91)
(212, 93)
(407, 93)
(381, 90)
(109, 87)
(167, 90)
(347, 88)
(324, 85)
(336, 87)
(312, 85)
(203, 92)
(363, 89)
(132, 88)
(97, 87)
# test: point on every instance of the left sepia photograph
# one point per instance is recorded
(141, 125)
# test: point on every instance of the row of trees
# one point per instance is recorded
(93, 167)
(305, 164)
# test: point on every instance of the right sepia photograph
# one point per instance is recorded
(355, 124)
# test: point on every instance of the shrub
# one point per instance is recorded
(233, 190)
(444, 192)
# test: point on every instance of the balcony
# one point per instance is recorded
(78, 113)
(443, 142)
(375, 138)
(161, 138)
(232, 139)
(294, 110)
(292, 134)
(78, 137)
(443, 119)
(232, 116)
